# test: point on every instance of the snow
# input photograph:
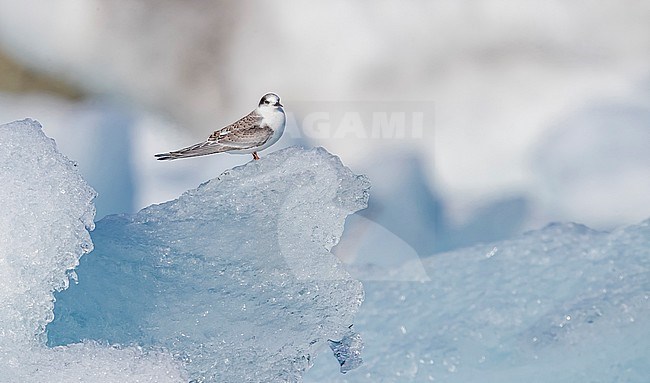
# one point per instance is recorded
(561, 304)
(500, 75)
(538, 109)
(592, 166)
(233, 281)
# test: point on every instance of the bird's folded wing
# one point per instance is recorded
(244, 133)
(195, 150)
(245, 138)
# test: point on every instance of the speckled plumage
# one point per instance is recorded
(256, 131)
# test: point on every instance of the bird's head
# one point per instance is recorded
(270, 100)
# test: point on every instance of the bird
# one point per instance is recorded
(252, 133)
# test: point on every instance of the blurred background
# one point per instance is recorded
(533, 111)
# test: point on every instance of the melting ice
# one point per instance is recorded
(232, 282)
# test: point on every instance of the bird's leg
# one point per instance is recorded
(255, 156)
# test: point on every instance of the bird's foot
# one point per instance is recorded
(255, 156)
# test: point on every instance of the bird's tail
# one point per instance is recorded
(166, 156)
(195, 150)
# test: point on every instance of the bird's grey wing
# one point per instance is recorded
(200, 149)
(245, 133)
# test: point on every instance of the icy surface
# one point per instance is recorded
(348, 351)
(562, 304)
(234, 278)
(47, 210)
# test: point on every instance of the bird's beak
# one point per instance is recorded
(280, 105)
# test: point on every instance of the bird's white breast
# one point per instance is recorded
(275, 119)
